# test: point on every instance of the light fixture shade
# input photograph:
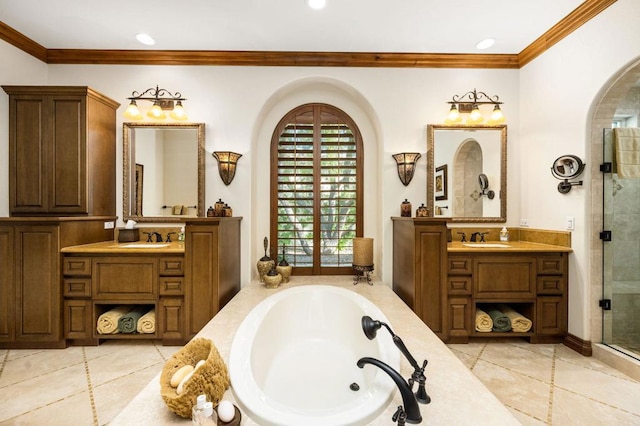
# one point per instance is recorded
(454, 115)
(178, 112)
(132, 112)
(156, 112)
(227, 162)
(497, 116)
(406, 162)
(475, 116)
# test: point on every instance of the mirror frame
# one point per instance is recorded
(431, 129)
(127, 170)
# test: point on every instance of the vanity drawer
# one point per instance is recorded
(76, 266)
(504, 277)
(459, 285)
(127, 278)
(459, 265)
(76, 287)
(171, 286)
(551, 284)
(550, 265)
(173, 266)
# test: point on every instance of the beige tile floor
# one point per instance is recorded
(541, 384)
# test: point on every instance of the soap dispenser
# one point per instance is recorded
(181, 234)
(504, 234)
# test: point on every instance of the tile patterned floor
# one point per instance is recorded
(540, 384)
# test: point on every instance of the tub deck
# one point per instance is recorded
(457, 396)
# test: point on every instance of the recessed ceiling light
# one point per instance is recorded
(486, 43)
(145, 39)
(317, 4)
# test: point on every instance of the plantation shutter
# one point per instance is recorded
(317, 189)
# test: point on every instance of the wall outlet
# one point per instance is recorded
(571, 223)
(524, 222)
(109, 225)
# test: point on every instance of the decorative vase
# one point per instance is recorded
(265, 264)
(284, 268)
(285, 271)
(422, 211)
(272, 279)
(405, 208)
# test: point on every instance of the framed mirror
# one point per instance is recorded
(467, 172)
(163, 171)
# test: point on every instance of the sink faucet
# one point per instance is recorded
(158, 237)
(474, 237)
(411, 408)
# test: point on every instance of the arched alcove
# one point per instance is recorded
(467, 167)
(304, 91)
(602, 114)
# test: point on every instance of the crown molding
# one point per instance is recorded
(582, 14)
(275, 58)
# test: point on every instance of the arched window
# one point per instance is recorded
(316, 190)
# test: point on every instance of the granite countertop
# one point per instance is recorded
(457, 396)
(137, 247)
(513, 246)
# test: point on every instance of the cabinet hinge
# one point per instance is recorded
(605, 304)
(605, 235)
(606, 167)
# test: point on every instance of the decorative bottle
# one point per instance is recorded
(405, 208)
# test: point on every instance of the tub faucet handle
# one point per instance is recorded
(400, 416)
(419, 377)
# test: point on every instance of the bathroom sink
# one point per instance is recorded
(142, 245)
(485, 245)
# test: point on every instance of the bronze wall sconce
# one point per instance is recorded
(406, 162)
(227, 162)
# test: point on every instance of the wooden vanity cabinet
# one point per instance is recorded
(31, 306)
(97, 283)
(533, 284)
(62, 151)
(420, 269)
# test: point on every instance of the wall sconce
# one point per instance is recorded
(227, 162)
(470, 103)
(162, 99)
(406, 162)
(567, 167)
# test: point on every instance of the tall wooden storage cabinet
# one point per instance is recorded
(212, 268)
(61, 151)
(420, 268)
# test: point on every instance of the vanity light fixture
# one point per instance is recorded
(406, 162)
(470, 103)
(162, 99)
(227, 162)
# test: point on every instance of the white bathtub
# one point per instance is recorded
(294, 356)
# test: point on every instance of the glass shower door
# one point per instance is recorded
(621, 258)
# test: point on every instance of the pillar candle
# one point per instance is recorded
(363, 251)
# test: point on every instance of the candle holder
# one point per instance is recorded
(362, 272)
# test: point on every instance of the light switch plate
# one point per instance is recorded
(571, 223)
